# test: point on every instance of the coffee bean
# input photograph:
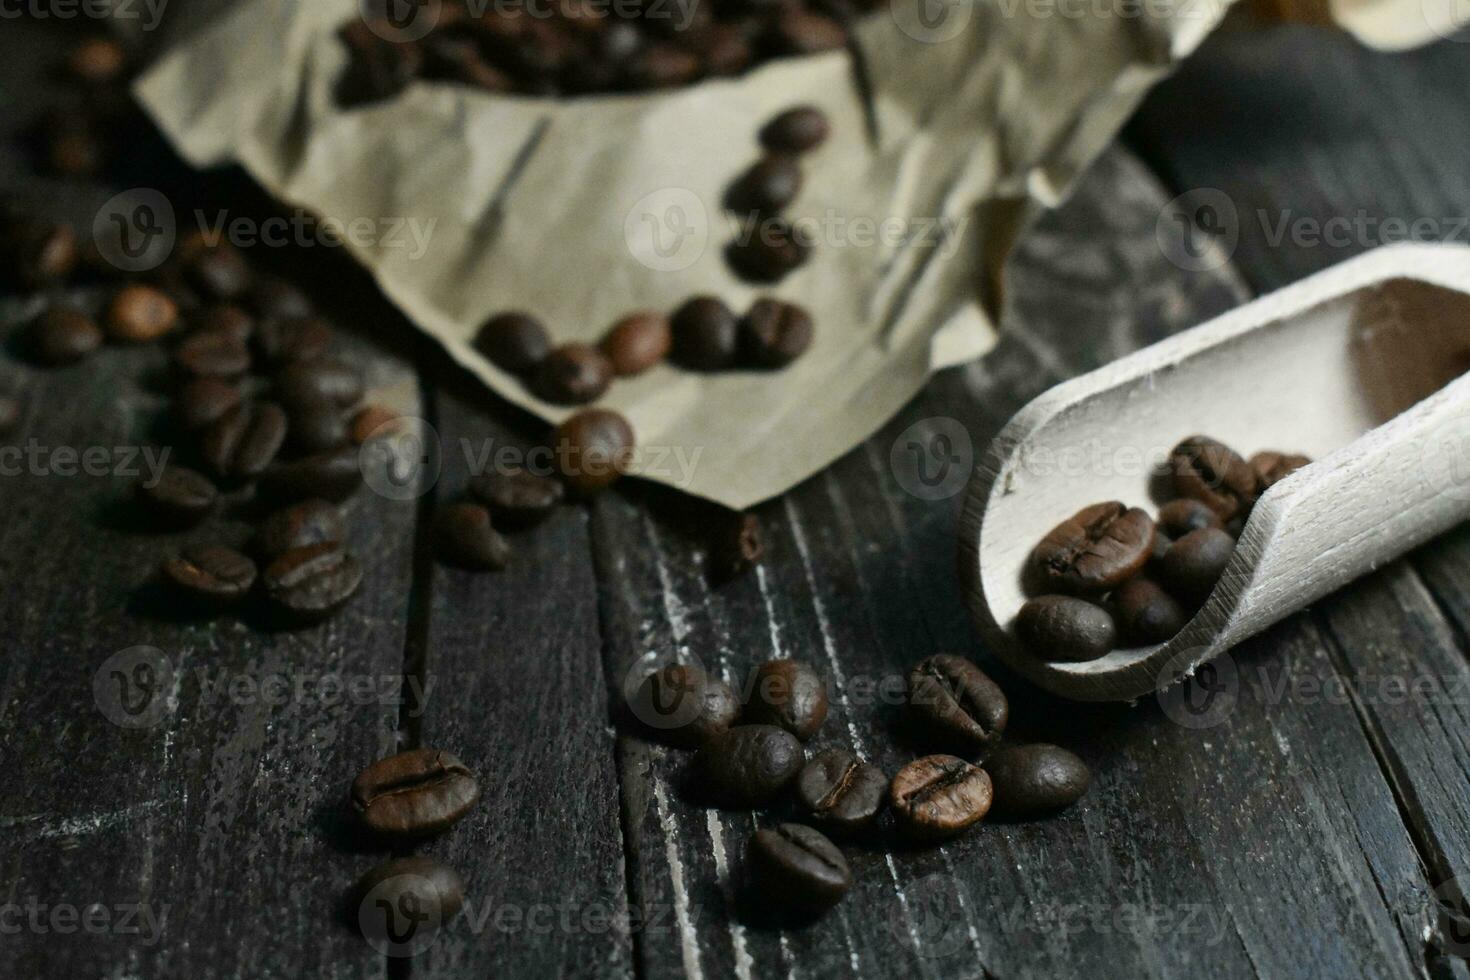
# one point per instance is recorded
(956, 701)
(517, 498)
(660, 65)
(139, 314)
(514, 342)
(228, 320)
(75, 150)
(180, 497)
(738, 544)
(1178, 517)
(796, 130)
(706, 334)
(212, 574)
(684, 706)
(414, 793)
(39, 254)
(1098, 548)
(467, 538)
(220, 272)
(298, 526)
(773, 333)
(796, 870)
(398, 898)
(377, 68)
(939, 796)
(801, 33)
(1162, 544)
(747, 766)
(766, 187)
(203, 401)
(637, 343)
(373, 421)
(1273, 467)
(333, 475)
(212, 354)
(573, 374)
(1212, 473)
(769, 252)
(316, 426)
(273, 298)
(296, 339)
(728, 51)
(841, 790)
(788, 694)
(96, 61)
(62, 336)
(1058, 627)
(1194, 565)
(593, 449)
(309, 584)
(1031, 780)
(311, 381)
(244, 441)
(1146, 613)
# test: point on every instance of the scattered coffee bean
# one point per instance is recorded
(738, 545)
(310, 381)
(333, 475)
(788, 694)
(62, 336)
(768, 186)
(684, 706)
(180, 497)
(517, 498)
(39, 255)
(660, 65)
(770, 252)
(773, 333)
(573, 374)
(1273, 467)
(96, 61)
(1031, 780)
(796, 130)
(797, 870)
(295, 339)
(273, 298)
(244, 441)
(228, 320)
(417, 889)
(299, 526)
(1178, 517)
(706, 334)
(1146, 613)
(139, 314)
(1098, 548)
(1212, 473)
(939, 796)
(467, 538)
(593, 449)
(956, 701)
(746, 766)
(372, 421)
(203, 401)
(213, 574)
(414, 794)
(637, 342)
(1058, 627)
(212, 354)
(309, 584)
(220, 272)
(841, 790)
(514, 342)
(1194, 565)
(316, 426)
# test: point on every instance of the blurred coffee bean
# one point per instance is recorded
(220, 272)
(38, 254)
(801, 32)
(573, 374)
(773, 333)
(139, 314)
(788, 694)
(738, 544)
(333, 475)
(514, 342)
(180, 497)
(307, 382)
(1195, 563)
(1058, 627)
(706, 334)
(62, 336)
(295, 339)
(97, 61)
(796, 871)
(746, 766)
(1273, 467)
(425, 889)
(767, 187)
(660, 65)
(377, 69)
(371, 421)
(211, 573)
(637, 342)
(212, 354)
(1179, 517)
(517, 498)
(797, 130)
(1146, 613)
(315, 425)
(467, 538)
(244, 441)
(306, 585)
(273, 298)
(227, 319)
(1033, 780)
(11, 411)
(203, 401)
(768, 251)
(684, 706)
(298, 526)
(592, 449)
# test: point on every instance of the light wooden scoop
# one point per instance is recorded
(1358, 367)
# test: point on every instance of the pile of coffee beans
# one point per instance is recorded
(750, 752)
(768, 248)
(1110, 575)
(581, 47)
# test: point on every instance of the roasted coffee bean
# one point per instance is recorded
(212, 354)
(767, 187)
(706, 334)
(298, 526)
(75, 151)
(517, 498)
(414, 793)
(139, 314)
(1273, 467)
(1194, 565)
(593, 449)
(273, 298)
(796, 130)
(180, 497)
(1162, 543)
(333, 475)
(1031, 780)
(637, 342)
(747, 765)
(62, 336)
(738, 544)
(769, 252)
(212, 573)
(40, 254)
(660, 65)
(773, 333)
(1098, 548)
(788, 694)
(939, 796)
(96, 61)
(467, 538)
(1212, 473)
(957, 702)
(1146, 613)
(796, 870)
(1178, 517)
(419, 891)
(684, 706)
(228, 320)
(220, 272)
(514, 342)
(296, 339)
(1058, 627)
(841, 790)
(244, 441)
(308, 382)
(316, 426)
(203, 401)
(377, 68)
(573, 374)
(308, 584)
(800, 32)
(728, 51)
(372, 421)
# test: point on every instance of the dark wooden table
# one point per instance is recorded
(1318, 827)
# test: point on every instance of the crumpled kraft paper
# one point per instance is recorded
(584, 210)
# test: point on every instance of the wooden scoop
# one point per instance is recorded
(1358, 367)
